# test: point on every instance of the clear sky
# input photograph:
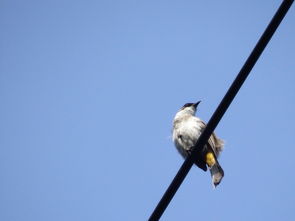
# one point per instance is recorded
(88, 92)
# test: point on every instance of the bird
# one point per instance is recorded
(187, 129)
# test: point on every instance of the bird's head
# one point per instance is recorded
(189, 108)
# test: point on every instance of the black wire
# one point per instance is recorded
(221, 109)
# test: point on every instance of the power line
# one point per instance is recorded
(221, 109)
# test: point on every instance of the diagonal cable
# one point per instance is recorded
(221, 109)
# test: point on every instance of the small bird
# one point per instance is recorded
(187, 129)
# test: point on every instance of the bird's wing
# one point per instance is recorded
(214, 142)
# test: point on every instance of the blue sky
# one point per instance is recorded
(88, 91)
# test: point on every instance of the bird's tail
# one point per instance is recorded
(216, 171)
(216, 174)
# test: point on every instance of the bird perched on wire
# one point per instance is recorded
(187, 128)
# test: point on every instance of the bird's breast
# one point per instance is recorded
(186, 133)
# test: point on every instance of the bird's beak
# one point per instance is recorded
(196, 104)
